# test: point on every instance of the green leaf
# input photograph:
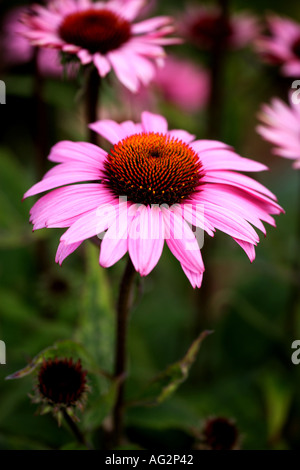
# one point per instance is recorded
(100, 408)
(278, 396)
(65, 348)
(96, 332)
(167, 382)
(96, 325)
(14, 215)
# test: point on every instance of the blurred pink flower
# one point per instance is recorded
(201, 26)
(180, 82)
(282, 47)
(150, 188)
(16, 50)
(14, 47)
(183, 83)
(103, 34)
(281, 127)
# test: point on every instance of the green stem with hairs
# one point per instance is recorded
(92, 93)
(123, 310)
(75, 429)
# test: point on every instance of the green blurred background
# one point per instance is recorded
(244, 369)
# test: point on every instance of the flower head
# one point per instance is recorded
(61, 381)
(281, 127)
(153, 185)
(220, 434)
(61, 384)
(282, 47)
(103, 33)
(201, 26)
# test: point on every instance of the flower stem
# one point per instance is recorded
(218, 53)
(123, 310)
(92, 93)
(215, 109)
(41, 146)
(41, 125)
(75, 429)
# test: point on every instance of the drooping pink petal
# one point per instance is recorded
(115, 242)
(237, 179)
(194, 278)
(64, 250)
(181, 241)
(124, 70)
(245, 205)
(84, 56)
(144, 69)
(220, 159)
(230, 223)
(61, 180)
(249, 248)
(146, 239)
(102, 64)
(91, 224)
(194, 214)
(57, 207)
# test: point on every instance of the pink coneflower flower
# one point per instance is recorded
(16, 50)
(282, 47)
(103, 34)
(281, 127)
(183, 83)
(201, 26)
(153, 186)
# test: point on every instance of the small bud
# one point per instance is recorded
(220, 434)
(61, 385)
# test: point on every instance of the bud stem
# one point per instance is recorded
(75, 429)
(92, 92)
